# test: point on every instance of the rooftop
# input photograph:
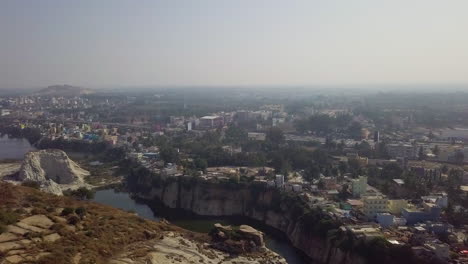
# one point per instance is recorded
(209, 117)
(399, 181)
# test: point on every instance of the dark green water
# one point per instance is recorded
(197, 224)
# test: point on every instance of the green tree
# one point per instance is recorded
(312, 172)
(391, 171)
(421, 155)
(81, 193)
(436, 150)
(169, 154)
(275, 135)
(354, 130)
(201, 164)
(459, 157)
(235, 135)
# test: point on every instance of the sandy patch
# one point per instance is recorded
(52, 237)
(9, 168)
(6, 246)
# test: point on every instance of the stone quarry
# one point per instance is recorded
(53, 170)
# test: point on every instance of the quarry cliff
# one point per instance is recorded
(307, 231)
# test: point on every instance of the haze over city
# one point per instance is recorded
(232, 43)
(233, 132)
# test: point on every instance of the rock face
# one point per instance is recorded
(52, 169)
(244, 239)
(212, 199)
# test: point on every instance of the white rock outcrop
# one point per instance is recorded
(53, 170)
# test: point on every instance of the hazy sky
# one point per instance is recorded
(100, 43)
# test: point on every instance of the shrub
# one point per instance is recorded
(38, 211)
(73, 220)
(80, 211)
(66, 211)
(33, 198)
(20, 211)
(8, 217)
(57, 227)
(81, 193)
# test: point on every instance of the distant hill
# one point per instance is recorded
(63, 90)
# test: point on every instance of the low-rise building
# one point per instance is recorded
(5, 112)
(362, 161)
(367, 232)
(210, 122)
(440, 199)
(372, 205)
(402, 150)
(387, 220)
(429, 212)
(432, 174)
(395, 206)
(256, 136)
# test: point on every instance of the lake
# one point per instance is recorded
(14, 148)
(123, 201)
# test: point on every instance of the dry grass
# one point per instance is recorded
(100, 234)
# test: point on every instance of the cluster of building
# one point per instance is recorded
(366, 212)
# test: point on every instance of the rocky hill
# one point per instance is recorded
(52, 170)
(64, 91)
(36, 227)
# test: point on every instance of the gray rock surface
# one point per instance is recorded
(53, 170)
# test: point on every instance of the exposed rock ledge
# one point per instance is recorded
(173, 248)
(53, 170)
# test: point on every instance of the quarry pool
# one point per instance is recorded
(14, 148)
(124, 201)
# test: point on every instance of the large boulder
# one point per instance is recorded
(252, 234)
(52, 169)
(237, 240)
